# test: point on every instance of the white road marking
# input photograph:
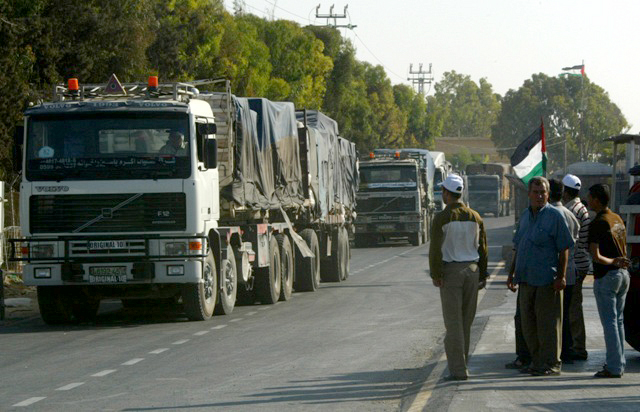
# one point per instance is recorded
(158, 351)
(180, 342)
(202, 332)
(251, 313)
(133, 361)
(235, 320)
(70, 386)
(218, 327)
(104, 373)
(30, 401)
(265, 308)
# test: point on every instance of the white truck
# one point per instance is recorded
(160, 193)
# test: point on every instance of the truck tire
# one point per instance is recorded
(269, 279)
(200, 299)
(332, 269)
(228, 284)
(287, 266)
(346, 255)
(307, 277)
(55, 308)
(415, 239)
(85, 308)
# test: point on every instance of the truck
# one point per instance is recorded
(161, 194)
(489, 189)
(392, 201)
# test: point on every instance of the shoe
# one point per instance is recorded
(516, 364)
(579, 356)
(604, 373)
(451, 378)
(545, 372)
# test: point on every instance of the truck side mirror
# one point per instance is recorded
(206, 128)
(211, 154)
(18, 141)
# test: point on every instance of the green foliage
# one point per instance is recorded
(573, 109)
(462, 108)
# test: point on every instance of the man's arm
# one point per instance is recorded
(563, 257)
(620, 261)
(512, 286)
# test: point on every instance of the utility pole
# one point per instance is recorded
(581, 109)
(420, 77)
(335, 18)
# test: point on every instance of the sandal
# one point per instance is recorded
(516, 364)
(605, 373)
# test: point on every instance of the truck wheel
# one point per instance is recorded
(362, 241)
(229, 284)
(415, 239)
(85, 308)
(308, 268)
(332, 268)
(269, 279)
(55, 308)
(346, 253)
(287, 266)
(200, 299)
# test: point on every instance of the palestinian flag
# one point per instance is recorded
(530, 158)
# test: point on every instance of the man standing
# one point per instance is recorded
(582, 260)
(555, 197)
(542, 243)
(608, 247)
(458, 266)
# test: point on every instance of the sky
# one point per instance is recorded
(504, 41)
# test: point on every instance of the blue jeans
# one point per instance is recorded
(610, 292)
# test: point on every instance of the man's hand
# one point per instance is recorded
(482, 284)
(512, 286)
(437, 282)
(559, 283)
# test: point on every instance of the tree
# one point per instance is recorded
(462, 108)
(573, 109)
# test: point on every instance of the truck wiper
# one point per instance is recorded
(384, 204)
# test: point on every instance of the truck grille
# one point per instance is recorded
(128, 212)
(386, 204)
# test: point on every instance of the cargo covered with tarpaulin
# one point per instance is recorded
(266, 164)
(333, 171)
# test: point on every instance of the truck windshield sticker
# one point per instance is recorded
(45, 152)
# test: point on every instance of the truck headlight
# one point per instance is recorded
(42, 273)
(41, 251)
(176, 248)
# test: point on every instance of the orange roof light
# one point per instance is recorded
(371, 155)
(153, 82)
(73, 84)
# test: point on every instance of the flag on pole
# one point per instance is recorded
(530, 157)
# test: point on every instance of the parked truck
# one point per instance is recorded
(489, 188)
(442, 170)
(393, 200)
(161, 193)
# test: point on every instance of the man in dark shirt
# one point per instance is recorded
(608, 247)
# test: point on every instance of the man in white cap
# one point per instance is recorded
(458, 266)
(582, 260)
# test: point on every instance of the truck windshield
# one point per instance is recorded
(106, 146)
(483, 183)
(392, 177)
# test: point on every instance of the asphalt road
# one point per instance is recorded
(365, 344)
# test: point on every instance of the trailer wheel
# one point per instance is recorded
(287, 266)
(308, 268)
(346, 253)
(229, 284)
(55, 308)
(269, 279)
(200, 299)
(332, 269)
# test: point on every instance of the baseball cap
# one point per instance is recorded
(453, 183)
(571, 181)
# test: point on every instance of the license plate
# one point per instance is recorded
(108, 274)
(386, 228)
(107, 244)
